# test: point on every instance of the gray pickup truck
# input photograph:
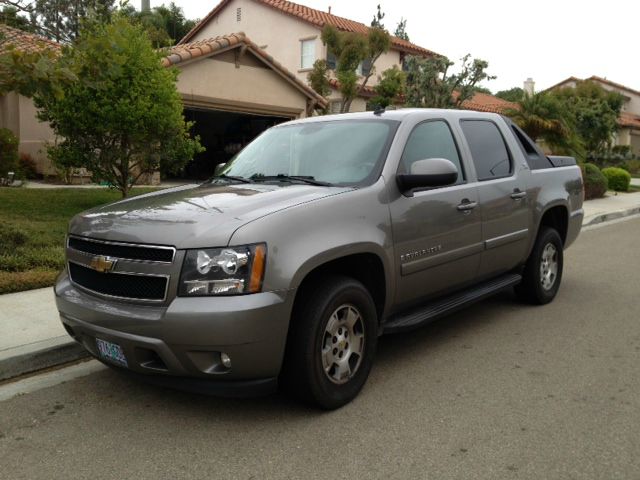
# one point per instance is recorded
(317, 238)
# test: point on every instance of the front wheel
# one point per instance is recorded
(543, 270)
(332, 342)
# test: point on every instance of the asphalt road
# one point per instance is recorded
(498, 391)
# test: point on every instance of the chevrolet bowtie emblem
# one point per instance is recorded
(103, 264)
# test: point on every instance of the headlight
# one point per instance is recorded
(223, 271)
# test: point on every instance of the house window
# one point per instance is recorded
(308, 53)
(238, 14)
(364, 68)
(334, 106)
(332, 61)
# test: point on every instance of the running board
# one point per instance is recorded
(427, 313)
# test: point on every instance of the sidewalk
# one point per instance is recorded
(32, 337)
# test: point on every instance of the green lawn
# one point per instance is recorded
(33, 224)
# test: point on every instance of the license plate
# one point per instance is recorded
(111, 352)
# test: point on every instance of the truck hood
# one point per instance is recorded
(192, 216)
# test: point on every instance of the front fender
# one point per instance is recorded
(301, 238)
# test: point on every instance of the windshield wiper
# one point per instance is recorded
(298, 178)
(232, 177)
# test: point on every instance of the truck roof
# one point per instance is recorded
(399, 115)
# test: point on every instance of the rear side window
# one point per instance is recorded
(488, 150)
(535, 158)
(432, 139)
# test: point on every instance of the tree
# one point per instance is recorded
(478, 89)
(377, 19)
(122, 117)
(61, 20)
(594, 112)
(543, 117)
(352, 50)
(401, 30)
(430, 85)
(164, 25)
(9, 16)
(318, 79)
(514, 94)
(390, 85)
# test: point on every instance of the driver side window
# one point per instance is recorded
(431, 139)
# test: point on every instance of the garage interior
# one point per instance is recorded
(223, 134)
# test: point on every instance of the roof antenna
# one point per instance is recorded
(378, 110)
(329, 9)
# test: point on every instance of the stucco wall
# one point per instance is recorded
(280, 33)
(217, 82)
(632, 100)
(634, 141)
(18, 114)
(34, 135)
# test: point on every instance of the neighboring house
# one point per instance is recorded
(291, 33)
(629, 120)
(18, 113)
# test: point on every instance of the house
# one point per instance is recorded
(234, 90)
(291, 33)
(629, 119)
(230, 87)
(18, 113)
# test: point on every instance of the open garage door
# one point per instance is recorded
(223, 134)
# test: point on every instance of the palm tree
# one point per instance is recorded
(543, 117)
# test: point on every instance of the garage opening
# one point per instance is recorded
(223, 134)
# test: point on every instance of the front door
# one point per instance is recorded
(503, 198)
(437, 232)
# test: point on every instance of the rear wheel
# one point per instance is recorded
(543, 271)
(331, 343)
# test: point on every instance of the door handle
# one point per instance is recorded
(467, 205)
(517, 194)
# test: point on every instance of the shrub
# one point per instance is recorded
(595, 183)
(8, 152)
(27, 167)
(618, 178)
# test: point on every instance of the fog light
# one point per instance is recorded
(225, 359)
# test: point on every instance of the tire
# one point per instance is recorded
(543, 271)
(331, 343)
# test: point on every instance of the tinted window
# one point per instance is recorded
(488, 150)
(431, 140)
(535, 158)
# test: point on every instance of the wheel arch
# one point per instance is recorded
(366, 266)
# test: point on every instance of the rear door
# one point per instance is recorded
(503, 197)
(437, 232)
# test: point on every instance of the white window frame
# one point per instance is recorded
(309, 57)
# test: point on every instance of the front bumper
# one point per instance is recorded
(179, 345)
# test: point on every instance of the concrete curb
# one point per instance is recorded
(607, 217)
(24, 360)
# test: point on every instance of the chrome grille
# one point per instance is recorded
(121, 270)
(123, 250)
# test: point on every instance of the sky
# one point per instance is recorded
(547, 40)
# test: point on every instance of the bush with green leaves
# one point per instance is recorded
(8, 152)
(632, 166)
(618, 178)
(595, 183)
(120, 114)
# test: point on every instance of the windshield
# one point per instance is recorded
(335, 152)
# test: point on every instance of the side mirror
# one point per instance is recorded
(432, 172)
(218, 169)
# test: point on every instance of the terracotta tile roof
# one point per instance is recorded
(317, 18)
(595, 78)
(367, 92)
(212, 46)
(629, 120)
(483, 102)
(28, 42)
